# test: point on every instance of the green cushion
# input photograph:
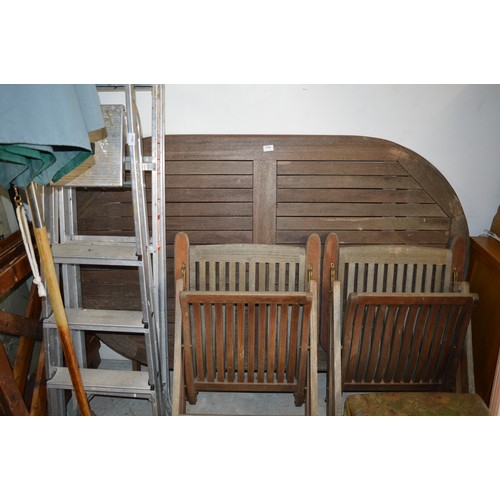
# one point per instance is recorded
(415, 404)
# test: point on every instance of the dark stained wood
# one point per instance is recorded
(13, 324)
(433, 340)
(14, 264)
(15, 398)
(485, 280)
(264, 202)
(11, 399)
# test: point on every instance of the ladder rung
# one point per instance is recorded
(96, 253)
(109, 382)
(102, 320)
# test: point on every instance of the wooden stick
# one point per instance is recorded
(47, 264)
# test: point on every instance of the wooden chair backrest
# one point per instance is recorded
(247, 267)
(388, 268)
(394, 341)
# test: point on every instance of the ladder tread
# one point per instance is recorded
(102, 320)
(96, 252)
(104, 381)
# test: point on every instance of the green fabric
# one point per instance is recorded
(44, 131)
(415, 404)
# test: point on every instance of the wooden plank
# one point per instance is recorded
(11, 399)
(316, 209)
(286, 148)
(261, 343)
(20, 326)
(208, 223)
(264, 202)
(333, 224)
(425, 238)
(352, 196)
(207, 168)
(198, 342)
(219, 342)
(251, 343)
(241, 342)
(282, 343)
(293, 344)
(193, 195)
(300, 182)
(340, 168)
(209, 181)
(271, 346)
(213, 209)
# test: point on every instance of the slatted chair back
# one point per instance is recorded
(246, 320)
(404, 342)
(387, 268)
(247, 267)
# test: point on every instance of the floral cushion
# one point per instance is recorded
(415, 404)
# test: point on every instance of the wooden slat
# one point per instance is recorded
(209, 223)
(346, 182)
(209, 343)
(198, 342)
(282, 344)
(271, 346)
(251, 342)
(362, 223)
(340, 168)
(352, 196)
(209, 181)
(230, 341)
(241, 342)
(261, 343)
(416, 238)
(194, 195)
(264, 202)
(293, 344)
(202, 209)
(196, 168)
(11, 399)
(219, 342)
(342, 209)
(399, 330)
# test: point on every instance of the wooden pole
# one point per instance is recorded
(54, 292)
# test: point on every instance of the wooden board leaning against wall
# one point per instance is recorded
(276, 189)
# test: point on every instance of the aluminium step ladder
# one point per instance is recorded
(146, 251)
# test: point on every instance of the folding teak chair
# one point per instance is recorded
(246, 320)
(397, 320)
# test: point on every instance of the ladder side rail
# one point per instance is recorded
(71, 273)
(142, 235)
(159, 234)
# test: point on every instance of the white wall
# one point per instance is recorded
(455, 127)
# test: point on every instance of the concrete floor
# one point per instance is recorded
(212, 403)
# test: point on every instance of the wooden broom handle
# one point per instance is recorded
(47, 264)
